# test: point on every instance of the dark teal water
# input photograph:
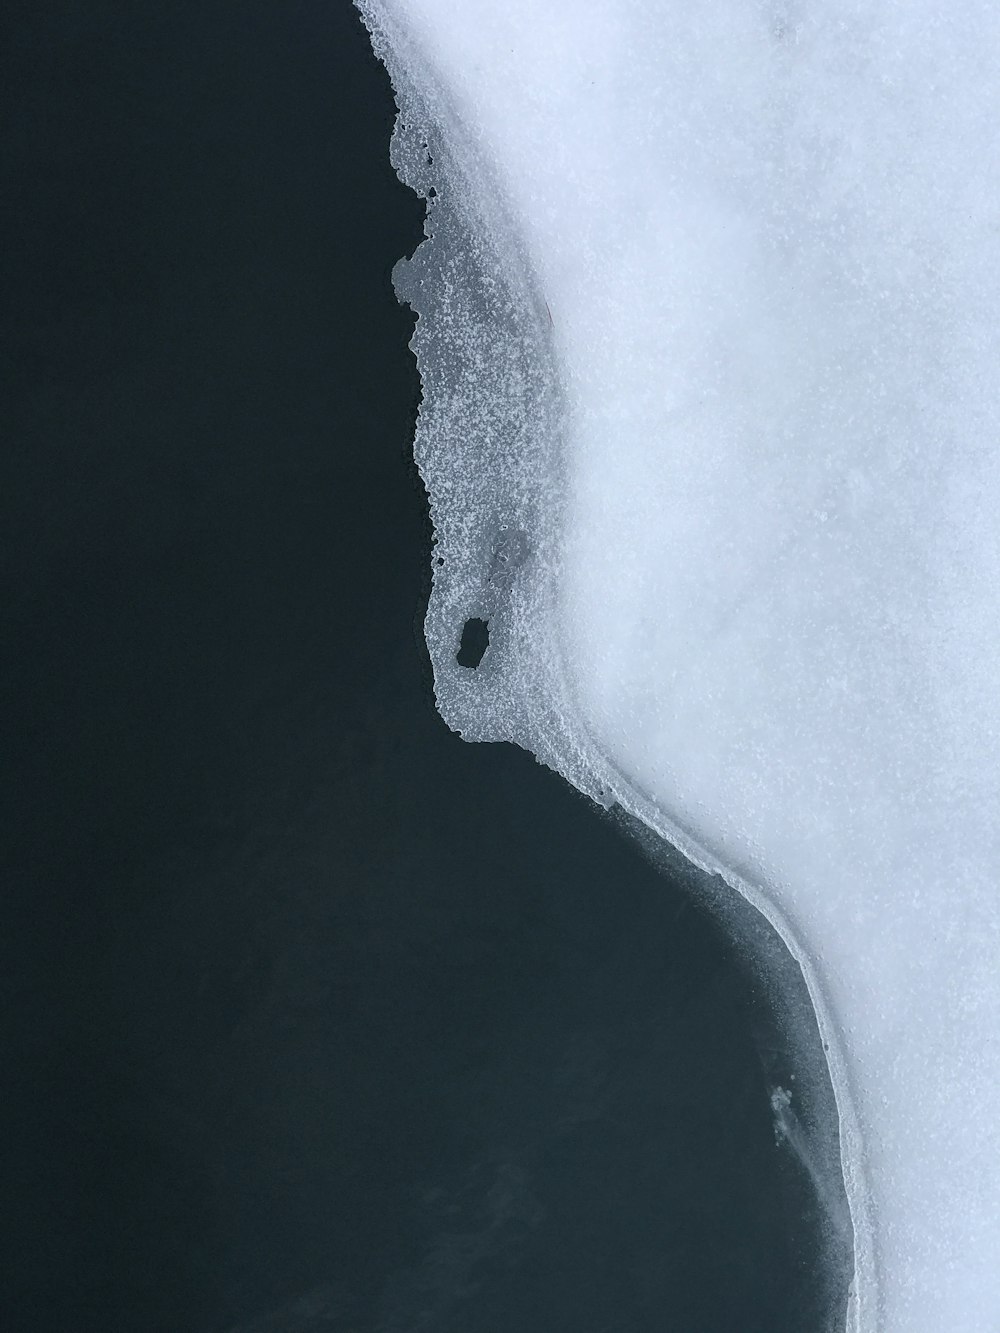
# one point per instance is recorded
(313, 1018)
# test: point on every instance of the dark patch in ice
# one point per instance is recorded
(475, 641)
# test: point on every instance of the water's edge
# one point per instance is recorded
(487, 369)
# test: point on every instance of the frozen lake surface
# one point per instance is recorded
(722, 350)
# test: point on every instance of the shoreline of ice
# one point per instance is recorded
(513, 411)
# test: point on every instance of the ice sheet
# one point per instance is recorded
(728, 372)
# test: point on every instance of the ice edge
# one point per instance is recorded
(495, 706)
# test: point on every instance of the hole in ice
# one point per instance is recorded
(475, 641)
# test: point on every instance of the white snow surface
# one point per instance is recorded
(768, 237)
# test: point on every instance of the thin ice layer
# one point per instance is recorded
(768, 243)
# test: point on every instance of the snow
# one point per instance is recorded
(731, 374)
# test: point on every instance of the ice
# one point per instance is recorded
(708, 320)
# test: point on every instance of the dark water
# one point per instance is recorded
(314, 1018)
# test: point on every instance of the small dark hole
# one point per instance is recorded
(432, 193)
(440, 559)
(475, 641)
